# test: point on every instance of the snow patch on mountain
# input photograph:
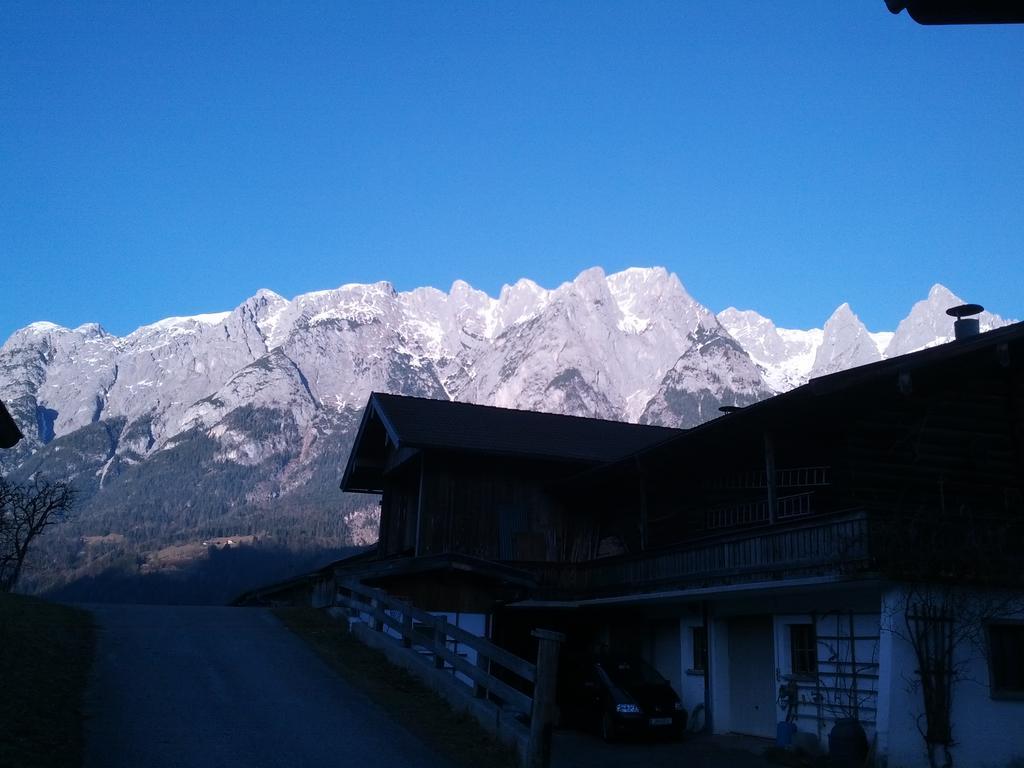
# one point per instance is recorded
(785, 355)
(188, 322)
(882, 340)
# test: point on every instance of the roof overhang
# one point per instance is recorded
(367, 462)
(697, 594)
(435, 564)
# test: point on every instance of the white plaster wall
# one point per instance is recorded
(830, 696)
(474, 623)
(989, 732)
(691, 688)
(792, 608)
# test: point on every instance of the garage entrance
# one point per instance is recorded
(752, 676)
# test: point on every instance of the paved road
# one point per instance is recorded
(204, 687)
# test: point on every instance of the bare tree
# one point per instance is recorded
(25, 512)
(944, 625)
(959, 572)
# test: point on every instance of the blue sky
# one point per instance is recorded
(172, 158)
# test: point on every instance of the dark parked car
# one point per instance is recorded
(621, 696)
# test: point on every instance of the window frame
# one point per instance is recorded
(804, 652)
(995, 691)
(699, 662)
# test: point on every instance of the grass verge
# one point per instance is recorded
(46, 652)
(456, 736)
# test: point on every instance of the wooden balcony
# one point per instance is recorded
(836, 543)
(756, 512)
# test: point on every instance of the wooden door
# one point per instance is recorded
(752, 676)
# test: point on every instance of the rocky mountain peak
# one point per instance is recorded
(928, 324)
(589, 285)
(644, 294)
(939, 294)
(845, 343)
(91, 331)
(842, 314)
(267, 295)
(519, 302)
(262, 312)
(756, 333)
(38, 334)
(462, 293)
(713, 372)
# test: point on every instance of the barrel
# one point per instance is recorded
(847, 743)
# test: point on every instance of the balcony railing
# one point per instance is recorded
(837, 542)
(754, 512)
(789, 477)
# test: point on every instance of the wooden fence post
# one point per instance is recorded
(484, 665)
(544, 690)
(440, 641)
(378, 624)
(406, 627)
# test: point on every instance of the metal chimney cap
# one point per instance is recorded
(965, 310)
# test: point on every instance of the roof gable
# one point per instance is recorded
(420, 423)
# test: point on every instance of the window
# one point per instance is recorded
(700, 649)
(1006, 659)
(803, 649)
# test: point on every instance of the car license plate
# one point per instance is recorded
(661, 721)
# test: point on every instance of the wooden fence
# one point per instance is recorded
(434, 636)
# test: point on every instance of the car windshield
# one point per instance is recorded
(631, 672)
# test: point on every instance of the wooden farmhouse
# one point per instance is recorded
(469, 493)
(797, 561)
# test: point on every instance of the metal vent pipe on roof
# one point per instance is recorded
(966, 326)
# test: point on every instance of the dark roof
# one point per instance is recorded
(959, 11)
(9, 432)
(265, 594)
(925, 358)
(417, 423)
(862, 381)
(448, 562)
(421, 423)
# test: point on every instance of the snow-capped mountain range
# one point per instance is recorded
(610, 346)
(276, 385)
